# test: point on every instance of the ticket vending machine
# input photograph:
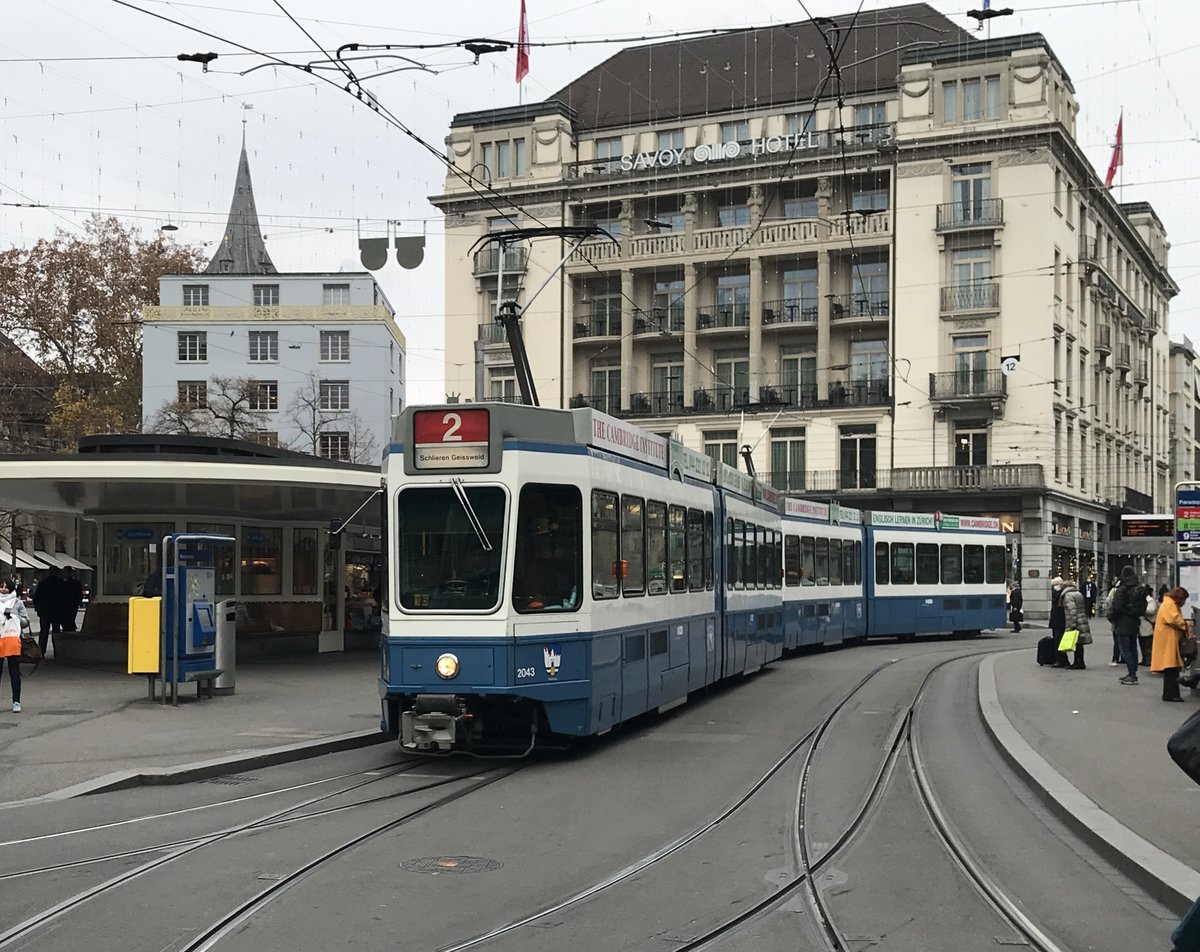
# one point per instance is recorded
(190, 609)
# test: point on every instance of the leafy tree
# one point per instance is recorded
(73, 304)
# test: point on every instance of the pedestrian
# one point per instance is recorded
(1090, 591)
(1075, 618)
(152, 587)
(48, 605)
(1169, 630)
(1058, 619)
(1106, 611)
(1125, 613)
(1016, 604)
(72, 598)
(13, 618)
(1150, 615)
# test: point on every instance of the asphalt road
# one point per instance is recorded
(685, 831)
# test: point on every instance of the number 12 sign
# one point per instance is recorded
(450, 439)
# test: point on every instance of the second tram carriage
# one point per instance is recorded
(562, 571)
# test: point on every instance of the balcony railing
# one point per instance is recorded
(977, 296)
(597, 251)
(609, 403)
(487, 260)
(968, 385)
(720, 399)
(789, 394)
(860, 304)
(1089, 249)
(659, 320)
(1104, 339)
(656, 403)
(926, 479)
(605, 323)
(493, 334)
(790, 311)
(788, 480)
(858, 393)
(724, 315)
(1122, 361)
(1141, 372)
(978, 213)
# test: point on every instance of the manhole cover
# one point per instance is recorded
(67, 712)
(231, 780)
(451, 864)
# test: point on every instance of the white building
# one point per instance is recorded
(837, 287)
(313, 361)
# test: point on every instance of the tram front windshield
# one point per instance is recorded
(445, 563)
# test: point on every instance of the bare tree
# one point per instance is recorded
(309, 412)
(230, 409)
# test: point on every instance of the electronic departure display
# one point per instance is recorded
(1148, 527)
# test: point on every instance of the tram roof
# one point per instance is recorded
(291, 487)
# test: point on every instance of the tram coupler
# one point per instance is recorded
(432, 724)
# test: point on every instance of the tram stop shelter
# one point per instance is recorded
(305, 579)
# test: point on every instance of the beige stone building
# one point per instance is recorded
(838, 287)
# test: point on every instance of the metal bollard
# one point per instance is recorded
(226, 647)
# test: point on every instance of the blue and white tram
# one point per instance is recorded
(562, 571)
(823, 574)
(934, 573)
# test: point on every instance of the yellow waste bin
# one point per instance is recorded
(144, 645)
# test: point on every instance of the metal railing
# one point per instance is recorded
(1122, 360)
(788, 480)
(487, 260)
(858, 393)
(720, 399)
(724, 315)
(598, 323)
(926, 479)
(790, 394)
(976, 296)
(656, 403)
(790, 311)
(493, 334)
(609, 403)
(1141, 371)
(967, 385)
(1104, 338)
(658, 320)
(979, 212)
(859, 304)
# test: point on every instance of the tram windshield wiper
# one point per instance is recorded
(460, 490)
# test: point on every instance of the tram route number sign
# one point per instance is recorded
(450, 439)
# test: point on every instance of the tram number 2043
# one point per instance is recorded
(526, 673)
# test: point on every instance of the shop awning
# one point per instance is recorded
(23, 560)
(70, 562)
(49, 558)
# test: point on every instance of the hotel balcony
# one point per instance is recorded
(858, 393)
(487, 261)
(790, 311)
(922, 480)
(597, 323)
(1122, 361)
(1103, 341)
(976, 296)
(493, 334)
(655, 403)
(659, 320)
(720, 400)
(788, 394)
(968, 386)
(963, 216)
(1141, 373)
(609, 403)
(867, 304)
(724, 316)
(1089, 250)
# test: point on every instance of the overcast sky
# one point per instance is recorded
(151, 140)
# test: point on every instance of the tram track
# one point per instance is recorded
(25, 930)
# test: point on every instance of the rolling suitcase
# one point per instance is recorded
(1047, 650)
(1186, 937)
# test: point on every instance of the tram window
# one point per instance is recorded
(441, 563)
(695, 550)
(883, 573)
(808, 561)
(902, 563)
(952, 565)
(677, 547)
(791, 560)
(606, 569)
(778, 576)
(928, 569)
(848, 563)
(739, 554)
(633, 546)
(973, 572)
(994, 560)
(858, 575)
(754, 574)
(708, 551)
(548, 574)
(835, 561)
(822, 574)
(730, 554)
(656, 548)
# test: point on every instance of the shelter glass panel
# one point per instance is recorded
(127, 558)
(262, 560)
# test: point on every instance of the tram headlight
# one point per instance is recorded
(447, 666)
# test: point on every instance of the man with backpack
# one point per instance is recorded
(1128, 606)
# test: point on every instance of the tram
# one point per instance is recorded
(558, 572)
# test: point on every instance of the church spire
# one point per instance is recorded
(242, 249)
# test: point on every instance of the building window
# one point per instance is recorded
(800, 296)
(192, 394)
(800, 123)
(519, 160)
(735, 131)
(721, 445)
(265, 437)
(970, 190)
(264, 395)
(801, 207)
(729, 216)
(334, 445)
(610, 148)
(868, 362)
(264, 346)
(606, 385)
(970, 365)
(733, 379)
(871, 289)
(668, 305)
(486, 158)
(266, 295)
(502, 385)
(335, 345)
(503, 159)
(334, 394)
(871, 199)
(733, 300)
(857, 456)
(195, 295)
(670, 139)
(666, 377)
(788, 458)
(798, 377)
(193, 346)
(971, 444)
(970, 100)
(870, 120)
(335, 294)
